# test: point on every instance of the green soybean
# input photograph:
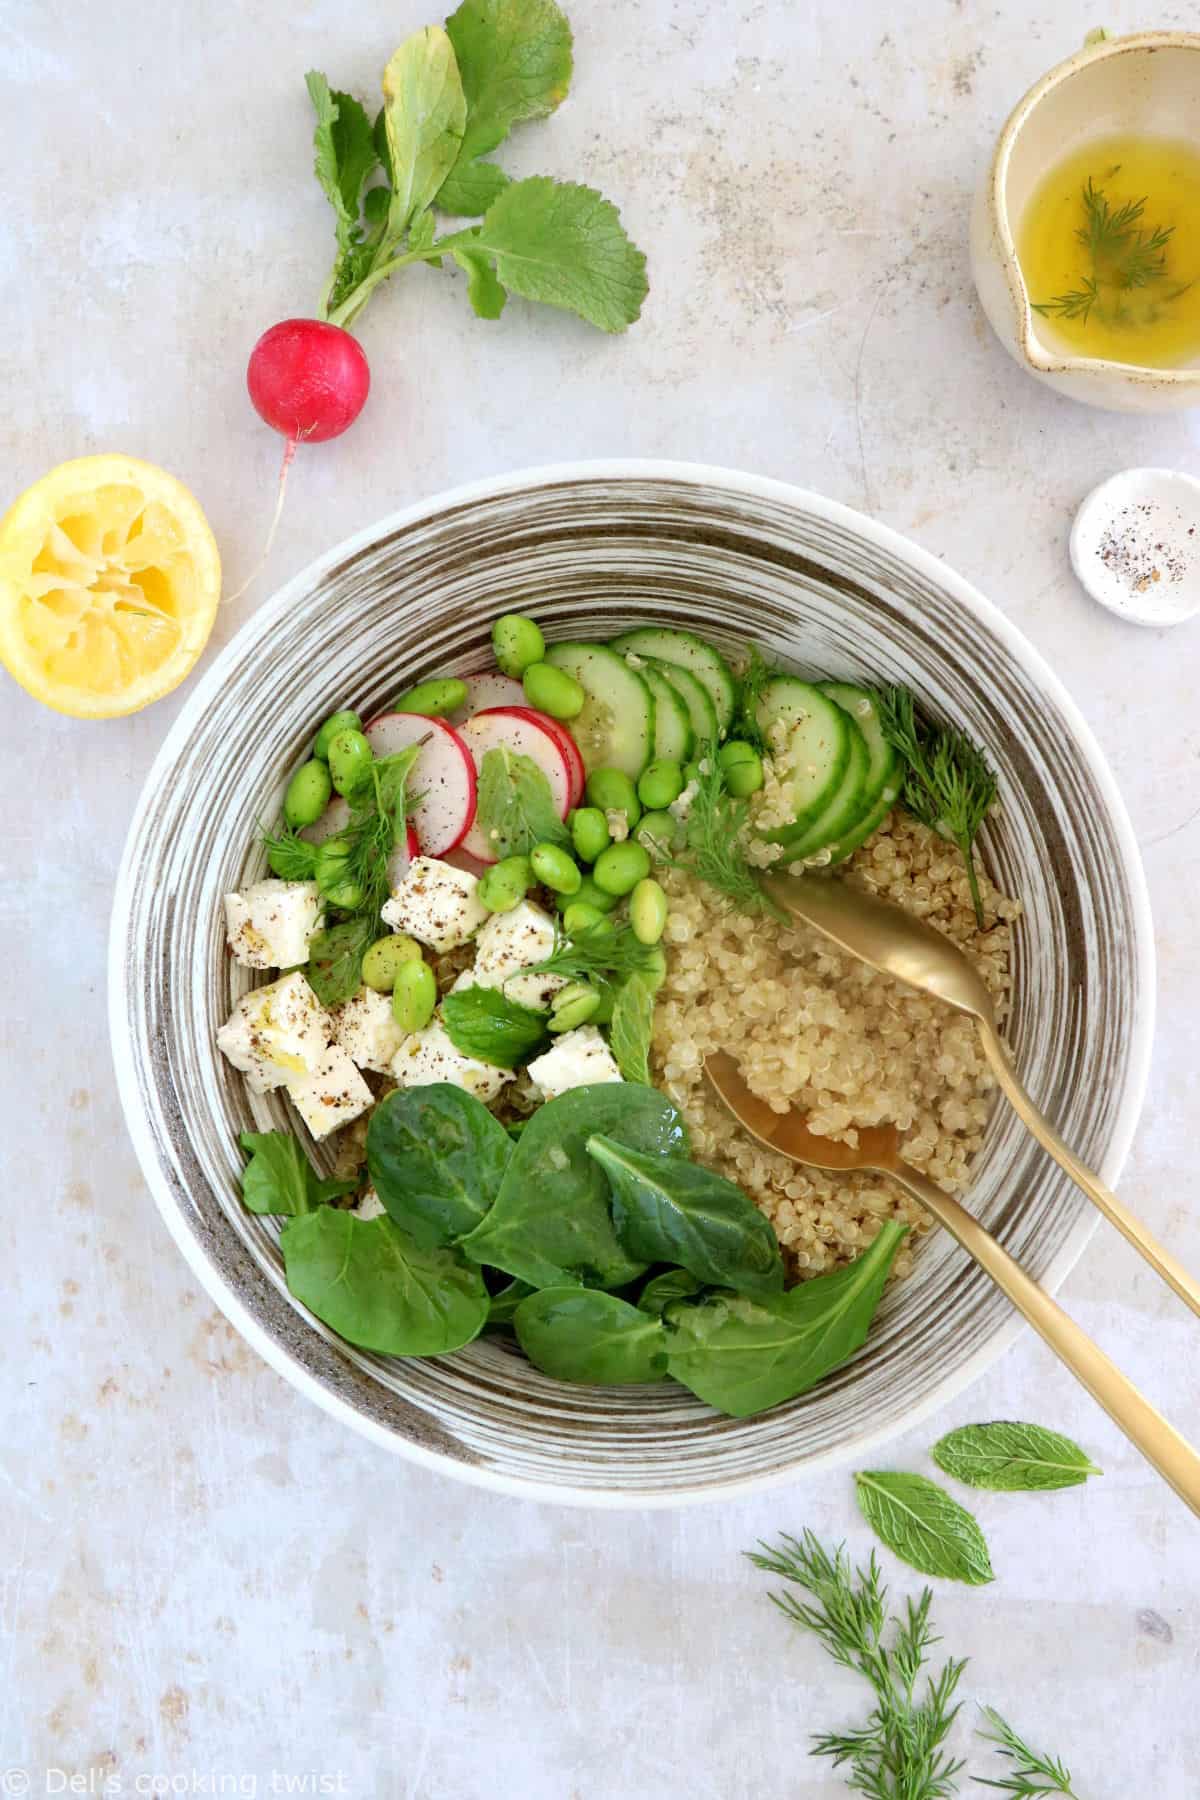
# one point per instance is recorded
(619, 869)
(307, 795)
(433, 699)
(742, 767)
(612, 791)
(338, 721)
(517, 642)
(579, 918)
(333, 859)
(648, 911)
(573, 1005)
(553, 691)
(505, 884)
(383, 960)
(589, 833)
(555, 869)
(657, 831)
(659, 784)
(414, 996)
(587, 894)
(350, 757)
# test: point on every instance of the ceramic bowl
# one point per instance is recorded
(1148, 83)
(593, 549)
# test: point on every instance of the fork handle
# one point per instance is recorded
(1130, 1227)
(1143, 1424)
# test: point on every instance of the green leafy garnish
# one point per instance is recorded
(751, 683)
(1122, 255)
(948, 784)
(715, 852)
(279, 1177)
(335, 959)
(289, 856)
(899, 1754)
(483, 1023)
(580, 1334)
(514, 807)
(632, 1026)
(514, 58)
(436, 1157)
(603, 954)
(924, 1525)
(505, 1303)
(1032, 1771)
(1011, 1457)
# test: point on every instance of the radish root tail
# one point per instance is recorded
(288, 456)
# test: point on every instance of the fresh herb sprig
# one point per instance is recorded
(1122, 253)
(948, 784)
(715, 852)
(600, 956)
(1032, 1772)
(754, 677)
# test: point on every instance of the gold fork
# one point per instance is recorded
(878, 1149)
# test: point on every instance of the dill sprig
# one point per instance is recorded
(899, 1753)
(1032, 1772)
(1122, 255)
(751, 683)
(602, 955)
(948, 784)
(715, 854)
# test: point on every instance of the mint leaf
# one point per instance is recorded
(514, 806)
(563, 244)
(514, 57)
(470, 188)
(924, 1525)
(1012, 1457)
(632, 1027)
(483, 1023)
(279, 1177)
(483, 290)
(425, 114)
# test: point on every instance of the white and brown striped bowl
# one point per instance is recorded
(592, 549)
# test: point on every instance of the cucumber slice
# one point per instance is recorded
(847, 845)
(813, 762)
(673, 734)
(844, 810)
(695, 697)
(883, 769)
(684, 651)
(615, 730)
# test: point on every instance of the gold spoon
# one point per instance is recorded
(897, 943)
(878, 1149)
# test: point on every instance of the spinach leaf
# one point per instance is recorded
(632, 1027)
(743, 1355)
(669, 1210)
(1011, 1457)
(484, 1023)
(378, 1289)
(514, 806)
(436, 1158)
(425, 115)
(505, 1303)
(578, 1334)
(551, 1222)
(279, 1177)
(672, 1284)
(335, 959)
(924, 1526)
(514, 57)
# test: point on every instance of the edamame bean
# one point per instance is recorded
(619, 868)
(517, 642)
(307, 795)
(350, 756)
(384, 958)
(573, 1005)
(433, 699)
(579, 919)
(333, 858)
(338, 721)
(655, 966)
(555, 869)
(659, 784)
(505, 884)
(414, 996)
(587, 894)
(612, 791)
(657, 831)
(743, 769)
(553, 691)
(589, 833)
(648, 911)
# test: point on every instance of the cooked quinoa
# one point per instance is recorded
(815, 1029)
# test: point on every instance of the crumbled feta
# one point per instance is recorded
(617, 820)
(462, 982)
(271, 925)
(275, 1033)
(510, 942)
(681, 807)
(370, 1206)
(366, 1030)
(436, 903)
(428, 1055)
(579, 1057)
(332, 1095)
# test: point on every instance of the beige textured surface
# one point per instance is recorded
(201, 1578)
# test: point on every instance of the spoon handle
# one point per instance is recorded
(1143, 1424)
(1130, 1227)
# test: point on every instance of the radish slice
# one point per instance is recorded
(335, 818)
(443, 776)
(564, 740)
(401, 858)
(509, 729)
(486, 691)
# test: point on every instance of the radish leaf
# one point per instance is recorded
(514, 57)
(483, 290)
(563, 244)
(470, 188)
(425, 114)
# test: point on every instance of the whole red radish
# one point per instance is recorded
(307, 379)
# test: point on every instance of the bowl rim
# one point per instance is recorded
(698, 475)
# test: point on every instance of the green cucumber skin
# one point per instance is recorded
(607, 678)
(673, 734)
(847, 845)
(687, 651)
(696, 700)
(846, 808)
(782, 698)
(885, 760)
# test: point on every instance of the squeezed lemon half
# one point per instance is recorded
(109, 583)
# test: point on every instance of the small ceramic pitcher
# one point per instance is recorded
(1149, 83)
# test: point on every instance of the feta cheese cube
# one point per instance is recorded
(429, 1055)
(510, 942)
(332, 1095)
(579, 1058)
(370, 1206)
(436, 903)
(462, 982)
(275, 1033)
(271, 925)
(366, 1030)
